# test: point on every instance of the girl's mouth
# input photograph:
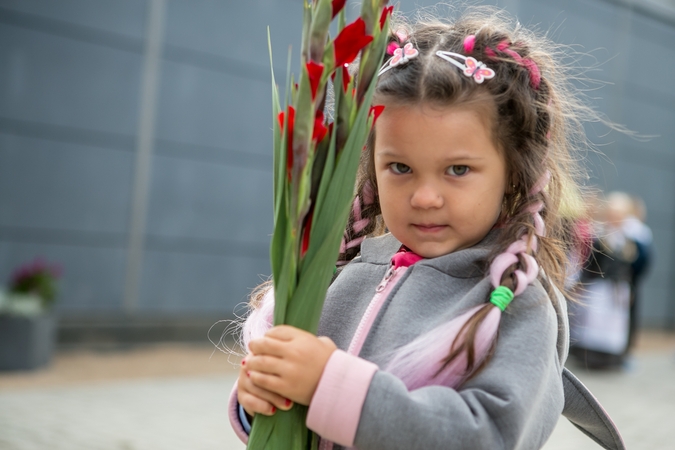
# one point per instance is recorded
(429, 228)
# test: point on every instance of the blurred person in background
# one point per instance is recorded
(635, 228)
(600, 322)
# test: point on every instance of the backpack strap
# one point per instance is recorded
(586, 413)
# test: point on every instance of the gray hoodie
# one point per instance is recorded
(513, 403)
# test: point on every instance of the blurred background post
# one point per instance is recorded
(135, 152)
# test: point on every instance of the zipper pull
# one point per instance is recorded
(385, 280)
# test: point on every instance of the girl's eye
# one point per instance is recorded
(458, 171)
(399, 168)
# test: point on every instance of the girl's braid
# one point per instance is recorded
(361, 223)
(516, 267)
(506, 268)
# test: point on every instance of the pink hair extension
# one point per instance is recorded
(359, 223)
(490, 53)
(510, 256)
(340, 262)
(469, 43)
(541, 183)
(535, 75)
(530, 65)
(260, 320)
(351, 244)
(368, 193)
(419, 362)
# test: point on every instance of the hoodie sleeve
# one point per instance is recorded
(234, 413)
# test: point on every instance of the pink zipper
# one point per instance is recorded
(382, 291)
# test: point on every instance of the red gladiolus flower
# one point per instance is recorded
(345, 76)
(280, 117)
(289, 148)
(385, 12)
(320, 129)
(350, 41)
(315, 71)
(337, 7)
(305, 235)
(376, 110)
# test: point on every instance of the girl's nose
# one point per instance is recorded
(426, 196)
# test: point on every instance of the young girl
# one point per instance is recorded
(465, 170)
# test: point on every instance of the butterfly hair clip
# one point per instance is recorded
(401, 55)
(470, 67)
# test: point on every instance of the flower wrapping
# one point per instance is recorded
(315, 165)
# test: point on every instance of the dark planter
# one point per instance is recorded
(26, 342)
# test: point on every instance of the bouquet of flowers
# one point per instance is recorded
(315, 166)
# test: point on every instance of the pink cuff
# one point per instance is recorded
(233, 413)
(335, 409)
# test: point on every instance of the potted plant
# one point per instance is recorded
(27, 321)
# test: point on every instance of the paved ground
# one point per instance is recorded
(174, 397)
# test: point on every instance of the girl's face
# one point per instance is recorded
(440, 177)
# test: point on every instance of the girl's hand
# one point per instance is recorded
(289, 362)
(256, 400)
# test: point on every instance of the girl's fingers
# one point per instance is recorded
(266, 382)
(267, 346)
(265, 364)
(285, 332)
(265, 399)
(255, 405)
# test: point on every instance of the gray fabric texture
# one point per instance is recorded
(513, 403)
(586, 413)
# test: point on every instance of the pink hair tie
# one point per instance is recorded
(469, 43)
(392, 47)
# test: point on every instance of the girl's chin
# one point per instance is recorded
(431, 250)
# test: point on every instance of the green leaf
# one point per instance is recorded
(276, 109)
(306, 25)
(305, 309)
(321, 18)
(285, 430)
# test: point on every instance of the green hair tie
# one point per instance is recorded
(501, 297)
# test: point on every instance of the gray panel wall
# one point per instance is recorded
(70, 100)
